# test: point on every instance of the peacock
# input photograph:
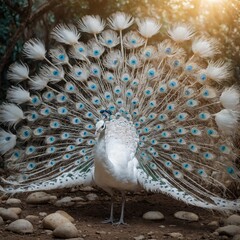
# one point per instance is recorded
(111, 105)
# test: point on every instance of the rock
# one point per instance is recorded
(1, 221)
(153, 215)
(13, 202)
(189, 216)
(66, 230)
(17, 210)
(92, 197)
(232, 220)
(48, 232)
(236, 237)
(66, 215)
(214, 224)
(140, 237)
(64, 202)
(54, 220)
(42, 214)
(78, 199)
(32, 218)
(8, 214)
(229, 230)
(20, 226)
(175, 235)
(40, 198)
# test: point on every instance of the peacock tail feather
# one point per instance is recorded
(174, 94)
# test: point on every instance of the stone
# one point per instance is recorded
(47, 231)
(153, 215)
(66, 230)
(140, 237)
(229, 230)
(78, 199)
(1, 221)
(54, 220)
(79, 238)
(189, 216)
(232, 220)
(66, 215)
(8, 214)
(91, 196)
(13, 202)
(42, 214)
(20, 226)
(17, 210)
(214, 224)
(40, 198)
(64, 202)
(32, 218)
(175, 235)
(236, 237)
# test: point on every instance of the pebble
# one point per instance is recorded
(140, 237)
(32, 218)
(229, 230)
(13, 202)
(236, 237)
(76, 238)
(47, 231)
(153, 215)
(42, 214)
(8, 214)
(40, 198)
(17, 210)
(66, 230)
(92, 196)
(66, 215)
(64, 202)
(54, 220)
(175, 235)
(214, 224)
(20, 226)
(1, 221)
(78, 199)
(189, 216)
(232, 220)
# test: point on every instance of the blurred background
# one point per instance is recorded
(23, 19)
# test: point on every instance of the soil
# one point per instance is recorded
(88, 216)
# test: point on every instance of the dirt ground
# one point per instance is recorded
(88, 216)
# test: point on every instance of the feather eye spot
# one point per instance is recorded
(168, 50)
(230, 170)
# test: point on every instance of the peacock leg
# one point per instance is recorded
(110, 220)
(121, 220)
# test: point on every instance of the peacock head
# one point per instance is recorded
(100, 126)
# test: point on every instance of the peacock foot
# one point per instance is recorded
(120, 222)
(109, 220)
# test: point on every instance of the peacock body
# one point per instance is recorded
(124, 112)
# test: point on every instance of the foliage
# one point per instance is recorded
(218, 18)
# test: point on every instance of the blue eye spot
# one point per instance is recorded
(96, 52)
(148, 54)
(61, 57)
(79, 73)
(133, 41)
(151, 73)
(115, 62)
(7, 138)
(81, 49)
(109, 41)
(176, 63)
(189, 68)
(55, 72)
(168, 50)
(230, 170)
(203, 77)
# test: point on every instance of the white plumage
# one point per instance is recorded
(123, 114)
